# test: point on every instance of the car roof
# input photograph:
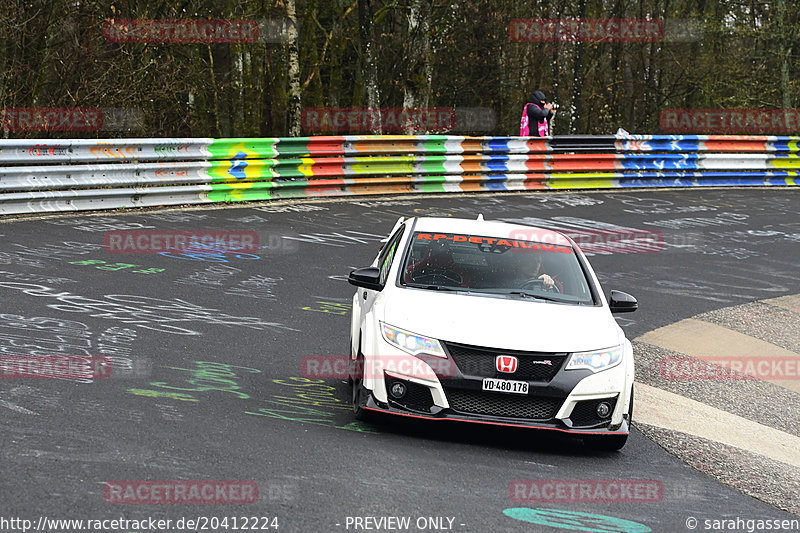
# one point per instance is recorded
(490, 228)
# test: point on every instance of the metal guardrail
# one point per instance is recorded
(65, 175)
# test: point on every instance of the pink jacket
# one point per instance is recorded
(524, 125)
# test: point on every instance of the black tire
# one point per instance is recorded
(350, 363)
(630, 410)
(606, 443)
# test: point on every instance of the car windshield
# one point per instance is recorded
(491, 265)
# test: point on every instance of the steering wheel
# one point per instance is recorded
(437, 276)
(537, 283)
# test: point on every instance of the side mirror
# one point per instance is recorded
(622, 302)
(367, 277)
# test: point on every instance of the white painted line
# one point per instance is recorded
(707, 341)
(660, 408)
(17, 408)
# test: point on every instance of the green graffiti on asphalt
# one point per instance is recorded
(159, 394)
(308, 401)
(334, 308)
(210, 376)
(576, 521)
(303, 405)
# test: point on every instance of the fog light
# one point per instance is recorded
(603, 409)
(398, 390)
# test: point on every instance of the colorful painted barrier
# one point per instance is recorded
(81, 174)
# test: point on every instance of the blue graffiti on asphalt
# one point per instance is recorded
(208, 252)
(576, 521)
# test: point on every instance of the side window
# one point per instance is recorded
(387, 255)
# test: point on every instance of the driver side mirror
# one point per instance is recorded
(622, 302)
(367, 277)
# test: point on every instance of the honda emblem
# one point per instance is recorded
(506, 363)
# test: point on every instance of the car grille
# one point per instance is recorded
(584, 413)
(476, 361)
(506, 405)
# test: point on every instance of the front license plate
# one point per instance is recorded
(505, 385)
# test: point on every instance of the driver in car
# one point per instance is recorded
(532, 268)
(437, 267)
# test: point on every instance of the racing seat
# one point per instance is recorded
(437, 267)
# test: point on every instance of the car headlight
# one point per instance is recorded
(596, 360)
(411, 342)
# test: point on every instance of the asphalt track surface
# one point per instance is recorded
(206, 379)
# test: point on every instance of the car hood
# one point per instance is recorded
(511, 324)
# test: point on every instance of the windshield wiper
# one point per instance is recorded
(432, 287)
(525, 294)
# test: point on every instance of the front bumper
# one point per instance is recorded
(564, 401)
(376, 406)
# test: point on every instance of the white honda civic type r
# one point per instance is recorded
(493, 323)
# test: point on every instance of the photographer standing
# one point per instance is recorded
(537, 111)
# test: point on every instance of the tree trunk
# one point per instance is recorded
(268, 98)
(629, 101)
(293, 115)
(417, 81)
(336, 47)
(556, 66)
(365, 19)
(577, 77)
(784, 53)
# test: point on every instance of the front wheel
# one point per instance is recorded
(606, 443)
(630, 410)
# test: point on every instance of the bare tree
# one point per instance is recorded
(365, 19)
(293, 115)
(417, 80)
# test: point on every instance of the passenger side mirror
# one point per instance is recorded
(622, 302)
(367, 277)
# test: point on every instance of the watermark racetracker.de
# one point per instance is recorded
(622, 240)
(585, 490)
(586, 30)
(200, 31)
(158, 241)
(343, 366)
(397, 119)
(387, 119)
(685, 368)
(605, 30)
(72, 367)
(98, 525)
(180, 492)
(19, 119)
(740, 120)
